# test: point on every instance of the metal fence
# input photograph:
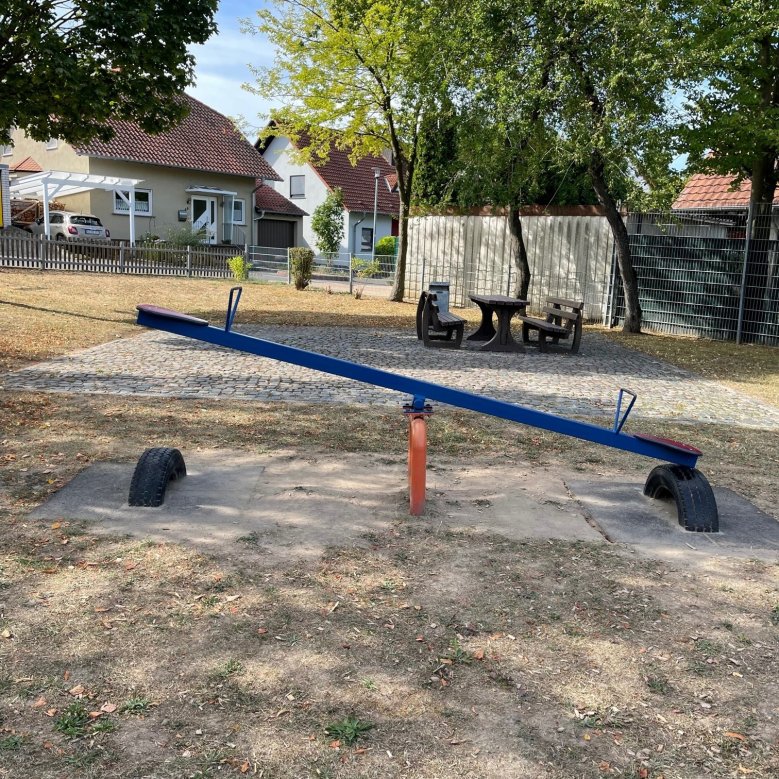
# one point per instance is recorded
(704, 273)
(115, 257)
(339, 269)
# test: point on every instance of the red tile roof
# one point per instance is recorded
(707, 191)
(355, 181)
(268, 199)
(204, 140)
(27, 165)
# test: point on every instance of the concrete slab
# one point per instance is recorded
(625, 515)
(286, 505)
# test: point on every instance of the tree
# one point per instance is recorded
(327, 222)
(358, 73)
(67, 66)
(732, 122)
(594, 79)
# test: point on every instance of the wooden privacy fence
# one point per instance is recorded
(106, 257)
(569, 257)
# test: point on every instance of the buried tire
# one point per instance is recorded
(692, 493)
(156, 468)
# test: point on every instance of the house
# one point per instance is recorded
(279, 222)
(201, 175)
(372, 180)
(712, 202)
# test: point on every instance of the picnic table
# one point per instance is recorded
(504, 308)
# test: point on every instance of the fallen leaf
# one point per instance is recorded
(643, 773)
(101, 609)
(56, 525)
(732, 734)
(244, 766)
(478, 654)
(335, 744)
(130, 566)
(66, 675)
(40, 703)
(51, 712)
(95, 714)
(77, 690)
(7, 633)
(231, 598)
(262, 631)
(109, 708)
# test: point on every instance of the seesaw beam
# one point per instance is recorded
(191, 327)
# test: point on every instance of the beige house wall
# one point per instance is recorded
(62, 158)
(168, 195)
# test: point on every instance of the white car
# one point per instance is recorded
(69, 226)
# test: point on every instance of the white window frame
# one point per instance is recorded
(242, 220)
(123, 208)
(8, 150)
(52, 144)
(297, 176)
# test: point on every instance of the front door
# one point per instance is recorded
(204, 217)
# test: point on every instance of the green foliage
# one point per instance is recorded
(302, 266)
(135, 705)
(73, 721)
(10, 743)
(327, 222)
(365, 269)
(729, 59)
(370, 68)
(239, 267)
(386, 246)
(181, 237)
(87, 58)
(349, 729)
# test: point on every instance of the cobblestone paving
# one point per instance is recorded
(160, 364)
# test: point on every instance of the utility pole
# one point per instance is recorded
(376, 174)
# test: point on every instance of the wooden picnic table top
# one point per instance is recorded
(499, 300)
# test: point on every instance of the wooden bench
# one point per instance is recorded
(436, 325)
(563, 318)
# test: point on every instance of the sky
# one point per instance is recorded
(222, 65)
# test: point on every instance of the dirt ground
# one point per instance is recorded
(421, 648)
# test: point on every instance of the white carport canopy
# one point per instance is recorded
(50, 183)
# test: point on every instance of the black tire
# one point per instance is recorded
(692, 493)
(156, 468)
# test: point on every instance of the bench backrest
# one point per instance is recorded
(564, 313)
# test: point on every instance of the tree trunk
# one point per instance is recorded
(399, 284)
(522, 283)
(624, 260)
(757, 301)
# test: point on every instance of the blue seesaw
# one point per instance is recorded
(677, 479)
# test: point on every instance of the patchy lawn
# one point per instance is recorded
(421, 652)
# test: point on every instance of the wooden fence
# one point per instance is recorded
(107, 257)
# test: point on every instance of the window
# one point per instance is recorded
(142, 203)
(297, 186)
(366, 244)
(8, 150)
(52, 144)
(239, 215)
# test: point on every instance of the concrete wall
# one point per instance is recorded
(279, 157)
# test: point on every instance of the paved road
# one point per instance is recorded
(160, 364)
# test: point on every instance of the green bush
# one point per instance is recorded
(327, 222)
(364, 269)
(302, 266)
(240, 267)
(385, 245)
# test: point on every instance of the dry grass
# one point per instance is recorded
(471, 656)
(749, 368)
